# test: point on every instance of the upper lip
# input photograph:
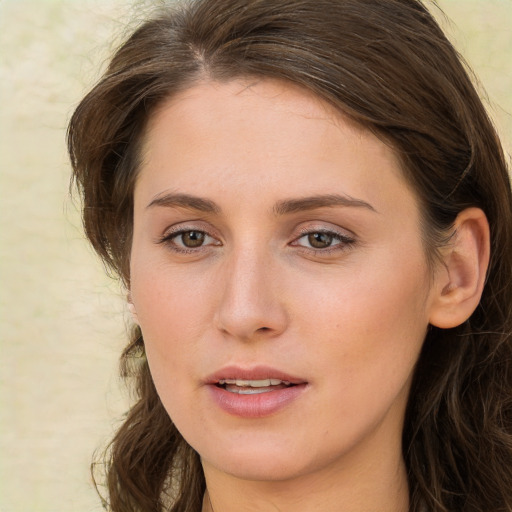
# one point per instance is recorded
(253, 373)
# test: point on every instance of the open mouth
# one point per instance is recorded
(253, 387)
(255, 392)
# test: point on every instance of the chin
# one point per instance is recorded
(260, 468)
(256, 459)
(269, 460)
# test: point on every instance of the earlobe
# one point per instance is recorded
(460, 280)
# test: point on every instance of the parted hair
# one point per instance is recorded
(388, 66)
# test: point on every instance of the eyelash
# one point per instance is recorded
(344, 241)
(168, 240)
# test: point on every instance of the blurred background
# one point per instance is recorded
(62, 320)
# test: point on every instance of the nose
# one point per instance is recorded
(251, 304)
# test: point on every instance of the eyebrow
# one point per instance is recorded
(287, 206)
(172, 200)
(320, 201)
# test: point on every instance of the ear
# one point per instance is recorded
(131, 308)
(460, 278)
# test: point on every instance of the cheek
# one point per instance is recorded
(174, 310)
(168, 296)
(371, 323)
(366, 344)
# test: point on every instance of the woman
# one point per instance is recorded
(311, 213)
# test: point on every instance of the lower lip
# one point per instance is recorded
(257, 405)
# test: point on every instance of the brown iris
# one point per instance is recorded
(320, 240)
(192, 238)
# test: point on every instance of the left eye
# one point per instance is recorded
(322, 240)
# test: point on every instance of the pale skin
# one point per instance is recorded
(271, 231)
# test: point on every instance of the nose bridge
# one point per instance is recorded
(250, 304)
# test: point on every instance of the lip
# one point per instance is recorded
(254, 405)
(254, 373)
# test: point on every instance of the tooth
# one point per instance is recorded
(262, 383)
(251, 391)
(265, 383)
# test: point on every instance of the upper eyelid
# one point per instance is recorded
(335, 234)
(196, 225)
(335, 230)
(343, 238)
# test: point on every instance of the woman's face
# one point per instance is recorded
(279, 278)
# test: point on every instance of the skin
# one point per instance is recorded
(348, 318)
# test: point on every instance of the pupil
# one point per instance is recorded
(320, 240)
(192, 238)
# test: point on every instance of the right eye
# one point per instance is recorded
(191, 239)
(186, 240)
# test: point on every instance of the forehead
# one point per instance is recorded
(257, 134)
(208, 100)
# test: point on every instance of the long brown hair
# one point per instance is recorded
(388, 66)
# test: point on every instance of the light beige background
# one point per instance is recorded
(62, 321)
